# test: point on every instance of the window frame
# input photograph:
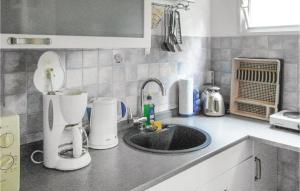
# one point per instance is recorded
(245, 28)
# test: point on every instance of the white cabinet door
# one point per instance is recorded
(218, 184)
(231, 170)
(206, 171)
(75, 24)
(268, 157)
(239, 178)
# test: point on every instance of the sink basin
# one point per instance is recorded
(172, 139)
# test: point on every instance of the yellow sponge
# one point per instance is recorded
(158, 124)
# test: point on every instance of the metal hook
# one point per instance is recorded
(180, 6)
(184, 4)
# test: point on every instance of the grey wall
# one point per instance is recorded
(224, 49)
(97, 72)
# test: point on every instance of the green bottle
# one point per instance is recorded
(149, 111)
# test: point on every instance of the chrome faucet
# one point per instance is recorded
(140, 120)
(159, 83)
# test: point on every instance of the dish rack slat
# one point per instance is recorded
(255, 87)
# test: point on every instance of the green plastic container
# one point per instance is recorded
(149, 111)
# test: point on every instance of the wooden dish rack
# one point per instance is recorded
(255, 87)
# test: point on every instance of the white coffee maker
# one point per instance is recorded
(65, 141)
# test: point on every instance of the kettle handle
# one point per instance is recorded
(217, 105)
(213, 104)
(210, 103)
(122, 110)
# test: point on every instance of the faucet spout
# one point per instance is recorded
(161, 86)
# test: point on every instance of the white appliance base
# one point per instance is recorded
(108, 146)
(68, 164)
(279, 119)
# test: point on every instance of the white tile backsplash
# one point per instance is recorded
(119, 91)
(275, 54)
(105, 74)
(290, 42)
(132, 88)
(154, 69)
(16, 103)
(267, 46)
(143, 71)
(90, 76)
(225, 42)
(275, 42)
(74, 59)
(165, 70)
(96, 72)
(290, 100)
(90, 58)
(74, 78)
(13, 62)
(105, 90)
(105, 57)
(131, 72)
(261, 42)
(92, 90)
(118, 74)
(290, 71)
(132, 101)
(14, 83)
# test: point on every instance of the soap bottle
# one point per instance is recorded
(149, 110)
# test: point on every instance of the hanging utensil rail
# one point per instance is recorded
(185, 5)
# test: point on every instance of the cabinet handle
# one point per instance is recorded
(28, 41)
(257, 169)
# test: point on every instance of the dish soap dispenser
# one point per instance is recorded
(149, 110)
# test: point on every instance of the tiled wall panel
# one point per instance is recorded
(97, 72)
(286, 47)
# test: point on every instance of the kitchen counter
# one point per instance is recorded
(124, 168)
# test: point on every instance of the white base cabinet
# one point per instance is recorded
(247, 166)
(239, 178)
(195, 177)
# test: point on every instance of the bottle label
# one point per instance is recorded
(152, 113)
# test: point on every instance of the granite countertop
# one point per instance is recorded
(125, 168)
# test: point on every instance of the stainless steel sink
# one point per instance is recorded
(172, 139)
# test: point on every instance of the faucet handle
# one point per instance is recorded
(134, 119)
(140, 120)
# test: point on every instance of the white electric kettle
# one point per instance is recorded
(213, 103)
(104, 117)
